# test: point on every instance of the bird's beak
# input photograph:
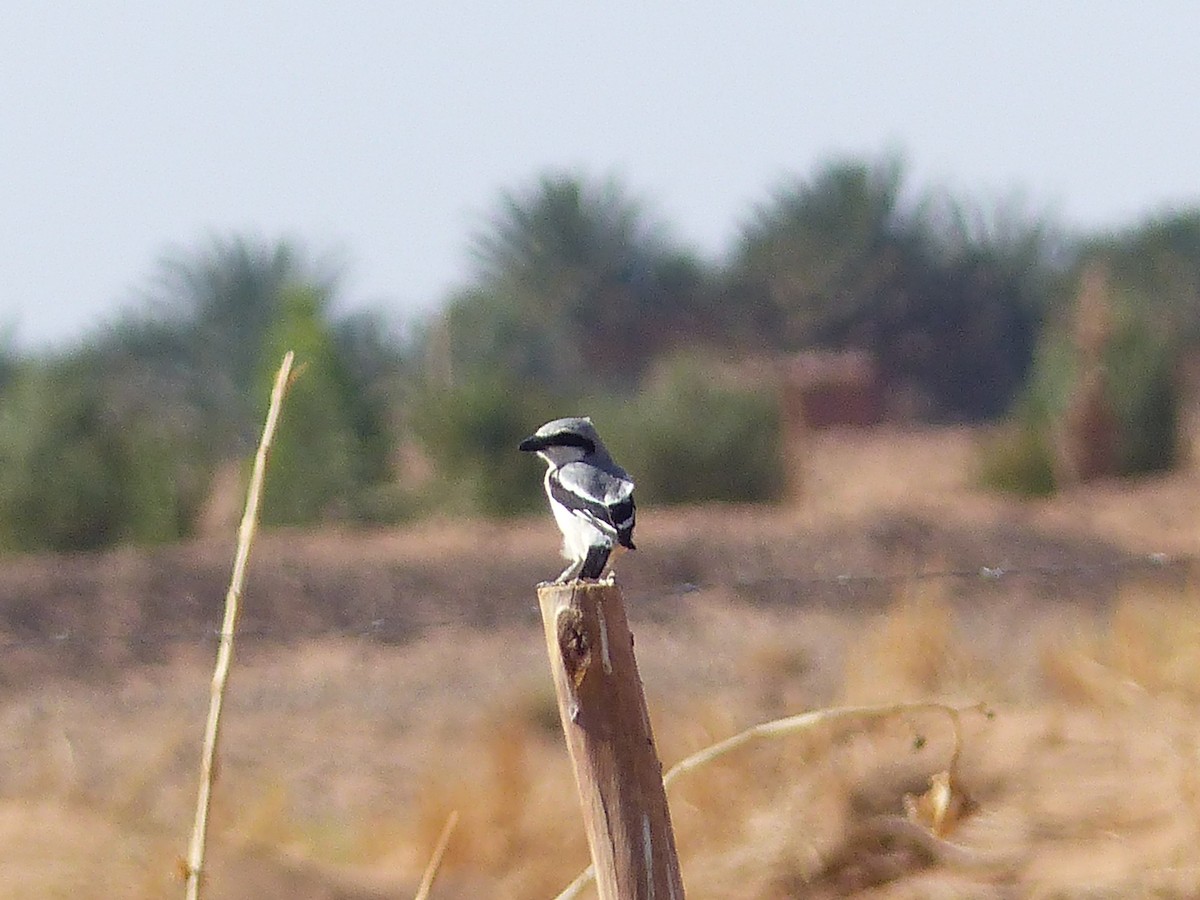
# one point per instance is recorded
(532, 444)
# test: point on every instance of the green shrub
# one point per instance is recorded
(684, 438)
(1144, 395)
(78, 473)
(312, 459)
(325, 462)
(1019, 461)
(1137, 362)
(471, 432)
(688, 437)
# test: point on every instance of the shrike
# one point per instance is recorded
(590, 495)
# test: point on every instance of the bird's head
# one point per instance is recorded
(564, 440)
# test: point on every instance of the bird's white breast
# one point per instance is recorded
(578, 533)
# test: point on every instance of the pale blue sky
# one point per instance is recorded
(384, 131)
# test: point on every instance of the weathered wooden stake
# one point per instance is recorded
(604, 717)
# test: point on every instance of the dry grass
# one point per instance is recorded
(343, 756)
(334, 772)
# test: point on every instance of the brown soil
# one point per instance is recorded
(385, 678)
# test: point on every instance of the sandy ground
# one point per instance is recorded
(385, 679)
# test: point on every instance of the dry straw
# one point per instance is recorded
(794, 725)
(435, 861)
(195, 857)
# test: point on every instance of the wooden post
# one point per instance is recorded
(604, 718)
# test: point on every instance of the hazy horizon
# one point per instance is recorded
(383, 136)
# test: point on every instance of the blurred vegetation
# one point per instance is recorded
(1106, 377)
(117, 442)
(689, 437)
(579, 299)
(81, 471)
(1145, 396)
(1019, 460)
(323, 453)
(470, 432)
(948, 299)
(576, 287)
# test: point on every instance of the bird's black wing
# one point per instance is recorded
(602, 498)
(623, 518)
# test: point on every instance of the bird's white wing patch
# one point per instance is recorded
(581, 490)
(593, 484)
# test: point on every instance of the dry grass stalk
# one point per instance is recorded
(435, 860)
(195, 857)
(575, 888)
(805, 721)
(794, 725)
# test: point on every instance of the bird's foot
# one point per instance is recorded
(569, 574)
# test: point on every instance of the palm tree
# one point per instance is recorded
(573, 284)
(823, 251)
(209, 315)
(947, 300)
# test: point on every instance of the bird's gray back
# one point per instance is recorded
(600, 480)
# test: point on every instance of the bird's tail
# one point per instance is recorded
(593, 565)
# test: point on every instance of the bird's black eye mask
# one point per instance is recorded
(570, 439)
(562, 439)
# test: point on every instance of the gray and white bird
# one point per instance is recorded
(590, 495)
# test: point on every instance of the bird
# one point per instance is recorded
(590, 495)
